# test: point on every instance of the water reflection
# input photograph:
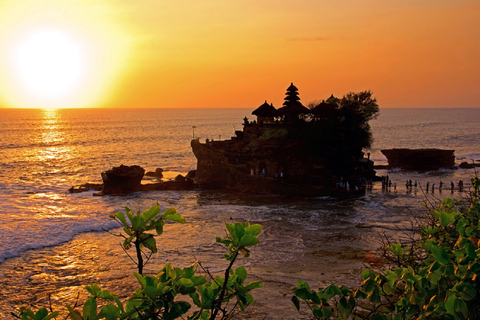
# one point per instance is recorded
(49, 128)
(52, 137)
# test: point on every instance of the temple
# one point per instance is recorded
(292, 150)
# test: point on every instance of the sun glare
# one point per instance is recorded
(52, 57)
(50, 63)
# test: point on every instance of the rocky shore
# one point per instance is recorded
(127, 179)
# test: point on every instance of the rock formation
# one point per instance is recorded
(420, 159)
(122, 180)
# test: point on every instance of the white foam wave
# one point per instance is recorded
(21, 241)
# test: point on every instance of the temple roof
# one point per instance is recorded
(294, 109)
(265, 110)
(324, 108)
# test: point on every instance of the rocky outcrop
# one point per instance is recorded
(420, 159)
(122, 180)
(127, 179)
(158, 173)
(272, 165)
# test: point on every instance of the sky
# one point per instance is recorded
(217, 53)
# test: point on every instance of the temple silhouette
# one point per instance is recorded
(292, 150)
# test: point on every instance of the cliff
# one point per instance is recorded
(268, 158)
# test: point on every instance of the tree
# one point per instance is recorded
(355, 112)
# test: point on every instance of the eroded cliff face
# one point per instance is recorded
(249, 172)
(261, 159)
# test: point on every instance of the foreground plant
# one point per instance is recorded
(436, 277)
(136, 226)
(165, 295)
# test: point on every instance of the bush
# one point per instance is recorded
(164, 295)
(435, 277)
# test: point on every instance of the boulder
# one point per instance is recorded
(180, 178)
(158, 173)
(122, 180)
(466, 165)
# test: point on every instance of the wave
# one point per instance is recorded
(36, 243)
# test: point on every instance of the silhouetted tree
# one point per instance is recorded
(340, 131)
(355, 112)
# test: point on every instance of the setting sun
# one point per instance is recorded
(50, 63)
(52, 57)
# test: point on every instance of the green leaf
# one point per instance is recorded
(254, 285)
(93, 289)
(440, 255)
(368, 285)
(396, 249)
(151, 213)
(446, 218)
(150, 244)
(185, 282)
(175, 217)
(450, 304)
(120, 216)
(239, 231)
(387, 288)
(344, 307)
(248, 240)
(90, 309)
(104, 294)
(74, 314)
(254, 229)
(303, 293)
(110, 312)
(241, 272)
(140, 279)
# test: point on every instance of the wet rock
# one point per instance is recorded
(420, 159)
(158, 173)
(180, 178)
(466, 165)
(191, 174)
(86, 187)
(122, 180)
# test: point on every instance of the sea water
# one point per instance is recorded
(53, 243)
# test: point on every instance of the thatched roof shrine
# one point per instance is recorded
(265, 110)
(324, 110)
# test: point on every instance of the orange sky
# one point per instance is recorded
(205, 53)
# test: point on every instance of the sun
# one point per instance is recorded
(52, 57)
(50, 63)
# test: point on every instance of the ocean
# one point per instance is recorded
(53, 243)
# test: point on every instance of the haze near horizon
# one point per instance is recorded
(144, 54)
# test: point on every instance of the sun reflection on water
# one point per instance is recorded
(50, 133)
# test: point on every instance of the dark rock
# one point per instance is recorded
(420, 159)
(122, 180)
(180, 178)
(466, 165)
(186, 184)
(158, 173)
(191, 174)
(86, 187)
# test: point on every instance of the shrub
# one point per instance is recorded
(436, 277)
(164, 295)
